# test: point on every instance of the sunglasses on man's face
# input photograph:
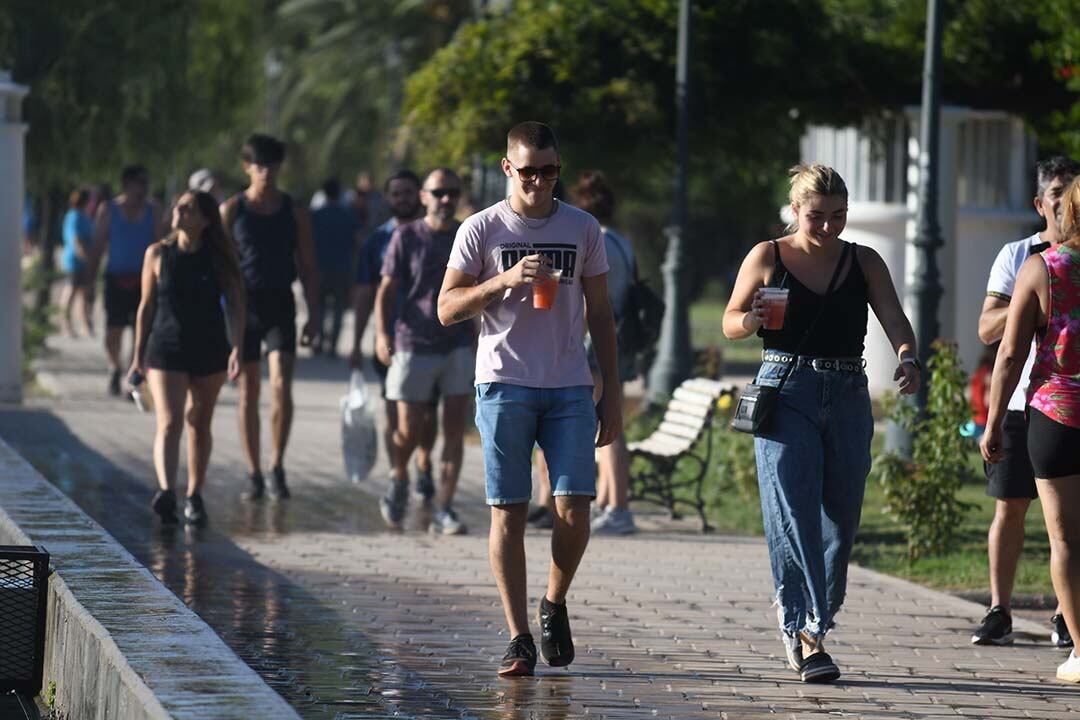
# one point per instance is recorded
(530, 173)
(440, 193)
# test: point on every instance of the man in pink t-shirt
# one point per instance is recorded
(533, 384)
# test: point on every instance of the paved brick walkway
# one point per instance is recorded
(346, 620)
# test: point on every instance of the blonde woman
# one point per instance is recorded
(813, 453)
(1044, 307)
(184, 351)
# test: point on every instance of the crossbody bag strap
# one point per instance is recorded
(820, 312)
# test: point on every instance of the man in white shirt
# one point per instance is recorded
(1012, 481)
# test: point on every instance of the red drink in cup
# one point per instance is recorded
(775, 300)
(544, 290)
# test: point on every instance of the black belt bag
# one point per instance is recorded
(757, 401)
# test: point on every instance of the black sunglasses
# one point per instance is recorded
(440, 193)
(529, 173)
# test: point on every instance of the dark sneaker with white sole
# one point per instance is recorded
(164, 506)
(256, 487)
(520, 658)
(278, 489)
(818, 668)
(556, 644)
(425, 485)
(195, 511)
(1060, 635)
(996, 628)
(392, 505)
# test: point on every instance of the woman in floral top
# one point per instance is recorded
(1046, 305)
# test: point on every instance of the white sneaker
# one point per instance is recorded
(1069, 671)
(615, 521)
(596, 511)
(446, 522)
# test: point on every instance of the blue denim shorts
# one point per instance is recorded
(513, 418)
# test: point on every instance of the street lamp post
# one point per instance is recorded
(674, 358)
(925, 287)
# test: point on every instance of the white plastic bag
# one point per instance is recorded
(359, 440)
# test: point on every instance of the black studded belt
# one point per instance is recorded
(848, 365)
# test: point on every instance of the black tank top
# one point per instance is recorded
(266, 245)
(841, 331)
(189, 314)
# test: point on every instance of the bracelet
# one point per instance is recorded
(912, 361)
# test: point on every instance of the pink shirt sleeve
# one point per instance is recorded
(595, 253)
(467, 254)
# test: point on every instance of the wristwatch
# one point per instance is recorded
(912, 360)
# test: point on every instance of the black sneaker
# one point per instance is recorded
(114, 383)
(996, 628)
(425, 485)
(520, 658)
(164, 506)
(278, 489)
(1060, 636)
(555, 642)
(194, 511)
(392, 505)
(257, 489)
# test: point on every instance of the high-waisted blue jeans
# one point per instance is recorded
(813, 459)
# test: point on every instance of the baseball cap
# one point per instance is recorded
(202, 180)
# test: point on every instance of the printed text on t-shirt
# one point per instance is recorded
(563, 256)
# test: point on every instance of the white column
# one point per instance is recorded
(12, 132)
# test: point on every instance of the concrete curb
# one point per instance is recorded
(119, 645)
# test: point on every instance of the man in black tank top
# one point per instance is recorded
(273, 239)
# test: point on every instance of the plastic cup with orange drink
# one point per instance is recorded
(544, 290)
(775, 300)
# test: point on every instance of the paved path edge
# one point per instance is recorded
(119, 644)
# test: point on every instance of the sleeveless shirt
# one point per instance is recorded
(841, 331)
(266, 245)
(189, 314)
(1054, 388)
(128, 240)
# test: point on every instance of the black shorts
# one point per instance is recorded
(1013, 476)
(122, 294)
(197, 361)
(271, 319)
(1053, 447)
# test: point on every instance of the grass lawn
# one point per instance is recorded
(706, 330)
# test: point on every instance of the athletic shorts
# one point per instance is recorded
(513, 418)
(271, 322)
(122, 294)
(424, 377)
(1012, 477)
(199, 361)
(1053, 446)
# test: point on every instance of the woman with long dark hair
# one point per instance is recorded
(186, 352)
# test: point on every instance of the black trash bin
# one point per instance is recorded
(24, 577)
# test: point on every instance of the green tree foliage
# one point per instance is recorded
(344, 64)
(120, 81)
(922, 493)
(603, 75)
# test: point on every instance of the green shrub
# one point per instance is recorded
(37, 322)
(922, 493)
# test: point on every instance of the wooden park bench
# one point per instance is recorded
(688, 416)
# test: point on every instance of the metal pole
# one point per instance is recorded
(925, 287)
(675, 357)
